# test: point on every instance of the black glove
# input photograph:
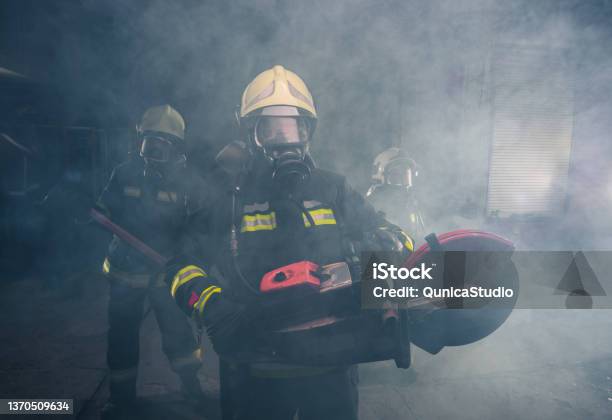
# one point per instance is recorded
(386, 244)
(383, 240)
(226, 323)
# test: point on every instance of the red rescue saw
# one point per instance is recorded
(313, 315)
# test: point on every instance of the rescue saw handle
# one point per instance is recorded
(128, 238)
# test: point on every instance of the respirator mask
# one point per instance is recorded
(283, 137)
(161, 153)
(400, 173)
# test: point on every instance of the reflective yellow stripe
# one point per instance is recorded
(255, 222)
(408, 242)
(203, 294)
(206, 294)
(184, 275)
(205, 291)
(106, 266)
(320, 217)
(179, 282)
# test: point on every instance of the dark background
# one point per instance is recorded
(382, 72)
(75, 76)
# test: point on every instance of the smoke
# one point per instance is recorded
(422, 75)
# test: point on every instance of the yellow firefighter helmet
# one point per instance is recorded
(163, 119)
(277, 87)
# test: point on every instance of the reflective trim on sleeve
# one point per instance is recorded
(260, 221)
(185, 275)
(106, 266)
(206, 294)
(320, 217)
(407, 241)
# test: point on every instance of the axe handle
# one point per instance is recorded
(128, 238)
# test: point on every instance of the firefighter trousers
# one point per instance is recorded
(125, 315)
(331, 395)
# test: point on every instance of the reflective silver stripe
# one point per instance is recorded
(167, 196)
(323, 217)
(184, 275)
(312, 203)
(194, 270)
(131, 191)
(255, 222)
(320, 217)
(252, 208)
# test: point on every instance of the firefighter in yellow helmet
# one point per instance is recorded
(149, 197)
(280, 210)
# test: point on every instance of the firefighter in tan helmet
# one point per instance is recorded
(280, 210)
(148, 196)
(395, 190)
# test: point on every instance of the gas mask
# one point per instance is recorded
(160, 154)
(284, 141)
(401, 173)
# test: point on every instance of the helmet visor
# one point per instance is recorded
(399, 174)
(156, 148)
(281, 131)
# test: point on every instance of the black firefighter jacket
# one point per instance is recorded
(153, 210)
(272, 230)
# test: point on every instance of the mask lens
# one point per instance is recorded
(399, 175)
(272, 131)
(156, 149)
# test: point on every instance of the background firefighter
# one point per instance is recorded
(282, 209)
(149, 196)
(395, 190)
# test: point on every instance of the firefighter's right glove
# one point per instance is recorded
(225, 321)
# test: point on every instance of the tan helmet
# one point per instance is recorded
(277, 87)
(392, 166)
(163, 119)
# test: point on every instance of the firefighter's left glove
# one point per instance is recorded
(226, 321)
(385, 239)
(200, 295)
